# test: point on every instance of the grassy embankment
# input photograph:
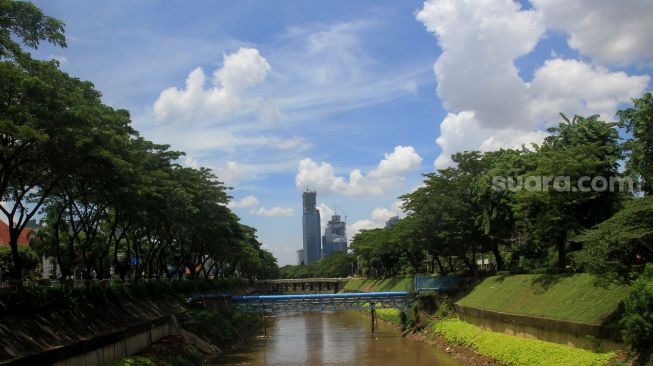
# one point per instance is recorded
(563, 297)
(371, 285)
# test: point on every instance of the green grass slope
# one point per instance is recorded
(564, 297)
(370, 285)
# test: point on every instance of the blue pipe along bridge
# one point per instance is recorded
(322, 302)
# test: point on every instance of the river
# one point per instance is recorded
(333, 338)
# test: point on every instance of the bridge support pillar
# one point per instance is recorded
(373, 316)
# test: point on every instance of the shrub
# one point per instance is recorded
(222, 329)
(637, 321)
(27, 254)
(134, 361)
(390, 315)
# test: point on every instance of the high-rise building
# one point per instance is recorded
(394, 220)
(300, 257)
(335, 236)
(312, 250)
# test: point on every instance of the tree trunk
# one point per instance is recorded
(443, 271)
(562, 255)
(497, 255)
(17, 272)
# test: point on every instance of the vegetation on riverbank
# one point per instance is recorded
(506, 349)
(516, 351)
(169, 351)
(373, 285)
(225, 330)
(338, 264)
(33, 300)
(565, 297)
(222, 329)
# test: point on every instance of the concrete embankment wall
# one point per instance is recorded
(88, 335)
(105, 348)
(574, 334)
(128, 346)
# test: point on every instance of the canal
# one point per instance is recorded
(333, 338)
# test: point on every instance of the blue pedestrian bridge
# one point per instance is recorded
(322, 302)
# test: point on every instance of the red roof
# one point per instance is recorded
(25, 236)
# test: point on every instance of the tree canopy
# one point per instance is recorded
(111, 199)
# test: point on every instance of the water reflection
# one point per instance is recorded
(339, 338)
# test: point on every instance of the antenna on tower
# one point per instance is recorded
(343, 212)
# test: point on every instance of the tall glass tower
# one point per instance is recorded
(335, 236)
(312, 250)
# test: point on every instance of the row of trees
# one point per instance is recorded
(338, 264)
(110, 197)
(475, 210)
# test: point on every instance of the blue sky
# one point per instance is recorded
(354, 99)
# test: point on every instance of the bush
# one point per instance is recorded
(517, 351)
(134, 361)
(222, 329)
(637, 321)
(393, 316)
(27, 254)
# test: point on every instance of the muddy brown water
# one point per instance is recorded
(333, 338)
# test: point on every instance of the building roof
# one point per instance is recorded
(24, 238)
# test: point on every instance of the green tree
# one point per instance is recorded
(29, 258)
(43, 110)
(615, 248)
(25, 21)
(637, 320)
(581, 147)
(639, 121)
(448, 213)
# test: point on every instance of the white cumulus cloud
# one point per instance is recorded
(231, 172)
(241, 70)
(273, 212)
(388, 174)
(248, 201)
(575, 87)
(377, 219)
(489, 104)
(616, 32)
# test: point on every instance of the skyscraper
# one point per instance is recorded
(312, 249)
(335, 236)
